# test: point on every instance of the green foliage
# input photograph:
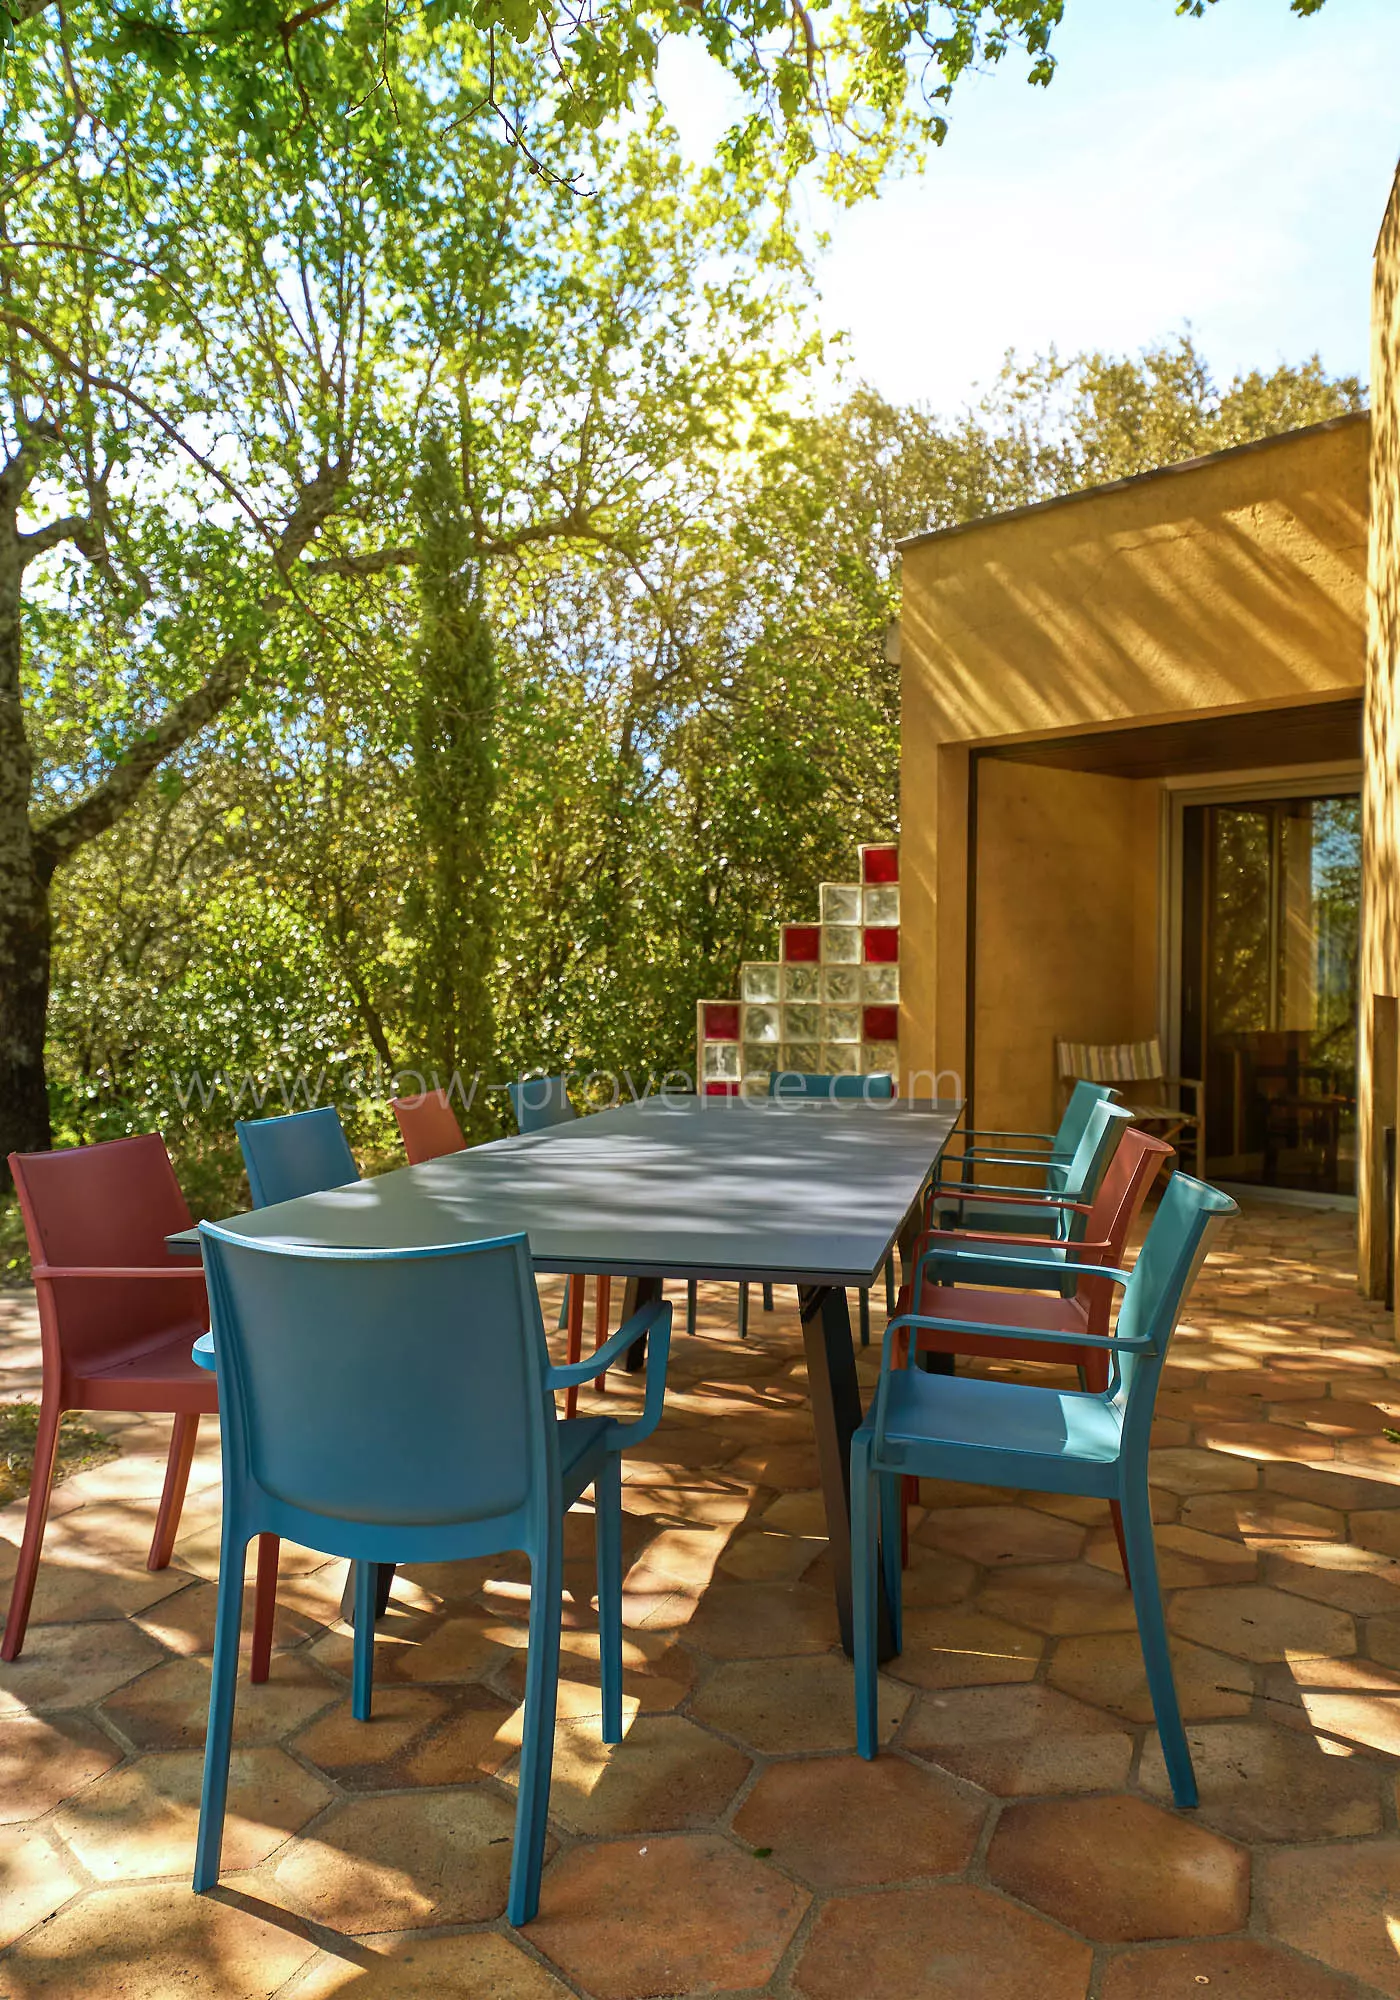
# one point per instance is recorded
(79, 1446)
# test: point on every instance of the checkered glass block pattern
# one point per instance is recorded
(827, 1004)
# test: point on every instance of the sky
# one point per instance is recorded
(1227, 173)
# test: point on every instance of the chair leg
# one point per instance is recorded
(607, 1527)
(690, 1303)
(602, 1311)
(223, 1691)
(865, 1573)
(264, 1608)
(537, 1746)
(768, 1298)
(563, 1318)
(183, 1438)
(1116, 1514)
(1156, 1654)
(891, 1552)
(362, 1669)
(36, 1516)
(743, 1312)
(865, 1319)
(908, 1497)
(574, 1348)
(889, 1288)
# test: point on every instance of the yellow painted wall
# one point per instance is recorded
(1380, 954)
(1233, 584)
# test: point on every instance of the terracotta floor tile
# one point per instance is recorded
(1019, 1740)
(762, 1556)
(1106, 1670)
(1382, 1639)
(1336, 1573)
(70, 1666)
(1347, 1701)
(1061, 1598)
(1374, 1455)
(997, 1535)
(405, 1861)
(1120, 1870)
(1191, 1470)
(142, 1820)
(77, 1588)
(666, 1776)
(1260, 1781)
(168, 1708)
(630, 1920)
(938, 1943)
(802, 1513)
(1237, 1968)
(415, 1736)
(964, 1648)
(1261, 1441)
(786, 1467)
(784, 1707)
(1377, 1528)
(1263, 1518)
(1330, 1416)
(1255, 1622)
(657, 1674)
(934, 1578)
(47, 1758)
(184, 1622)
(1339, 1904)
(155, 1941)
(36, 1879)
(413, 1967)
(739, 1621)
(847, 1823)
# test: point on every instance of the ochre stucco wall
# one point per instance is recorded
(1380, 953)
(1234, 584)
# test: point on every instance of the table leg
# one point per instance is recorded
(383, 1584)
(834, 1393)
(638, 1292)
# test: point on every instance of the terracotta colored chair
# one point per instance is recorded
(118, 1316)
(429, 1127)
(989, 1258)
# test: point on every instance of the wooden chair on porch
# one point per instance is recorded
(1153, 1097)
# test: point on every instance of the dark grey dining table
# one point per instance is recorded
(812, 1193)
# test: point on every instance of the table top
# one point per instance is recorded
(807, 1192)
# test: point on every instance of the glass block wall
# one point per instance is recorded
(827, 1005)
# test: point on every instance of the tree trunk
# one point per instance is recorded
(24, 895)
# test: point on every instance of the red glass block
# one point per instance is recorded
(882, 944)
(802, 944)
(721, 1090)
(721, 1019)
(880, 1024)
(879, 864)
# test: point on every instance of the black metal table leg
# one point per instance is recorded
(834, 1393)
(638, 1292)
(383, 1584)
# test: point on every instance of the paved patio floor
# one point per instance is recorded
(1013, 1844)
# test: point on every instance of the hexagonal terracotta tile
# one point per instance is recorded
(842, 1822)
(1062, 1598)
(1255, 1622)
(1260, 1441)
(168, 1708)
(43, 1760)
(1185, 1557)
(996, 1535)
(764, 1556)
(938, 1943)
(76, 1585)
(429, 1968)
(964, 1648)
(1262, 1781)
(37, 1881)
(1186, 1469)
(409, 1860)
(1242, 1968)
(1336, 1573)
(184, 1622)
(1353, 1701)
(1019, 1740)
(1106, 1669)
(691, 1912)
(784, 1707)
(1120, 1870)
(657, 1674)
(1338, 1903)
(1331, 1487)
(69, 1666)
(1377, 1528)
(142, 1820)
(745, 1621)
(158, 1942)
(1263, 1517)
(666, 1776)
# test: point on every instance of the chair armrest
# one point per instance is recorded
(641, 1322)
(1041, 1165)
(995, 1132)
(1188, 1082)
(1018, 1197)
(202, 1353)
(655, 1320)
(187, 1272)
(1130, 1343)
(1004, 1236)
(1049, 1268)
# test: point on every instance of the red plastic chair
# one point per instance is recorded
(117, 1319)
(428, 1125)
(1116, 1207)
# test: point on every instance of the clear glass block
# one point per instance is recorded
(762, 982)
(840, 945)
(841, 1059)
(802, 1023)
(760, 1058)
(841, 983)
(881, 1056)
(880, 983)
(840, 903)
(754, 1086)
(721, 1062)
(801, 982)
(761, 1024)
(882, 904)
(843, 1024)
(801, 1058)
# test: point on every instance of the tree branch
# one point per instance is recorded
(76, 528)
(373, 563)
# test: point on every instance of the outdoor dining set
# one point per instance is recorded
(376, 1352)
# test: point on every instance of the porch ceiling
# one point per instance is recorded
(1312, 733)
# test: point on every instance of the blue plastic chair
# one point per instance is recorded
(398, 1405)
(876, 1086)
(1039, 1440)
(1054, 1151)
(541, 1101)
(1027, 1211)
(304, 1153)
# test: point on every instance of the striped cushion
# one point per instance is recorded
(1111, 1062)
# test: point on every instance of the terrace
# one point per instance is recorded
(1015, 1841)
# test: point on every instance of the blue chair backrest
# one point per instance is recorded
(1078, 1111)
(799, 1083)
(304, 1153)
(541, 1101)
(1106, 1125)
(1173, 1251)
(392, 1387)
